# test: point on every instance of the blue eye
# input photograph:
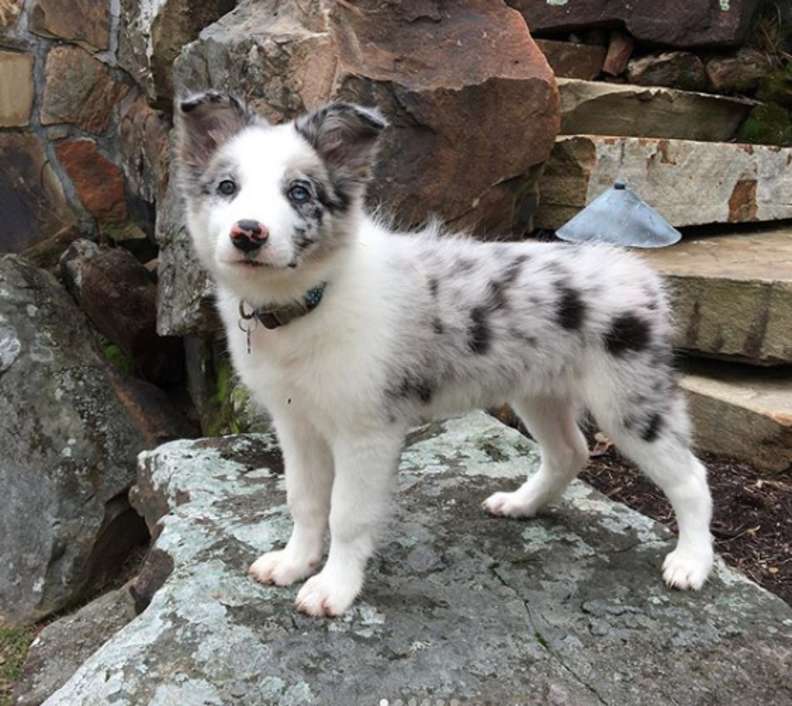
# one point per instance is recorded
(227, 187)
(299, 194)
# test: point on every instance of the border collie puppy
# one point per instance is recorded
(350, 333)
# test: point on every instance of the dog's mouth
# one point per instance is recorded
(249, 264)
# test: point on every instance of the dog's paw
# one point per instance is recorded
(281, 568)
(509, 505)
(686, 569)
(328, 596)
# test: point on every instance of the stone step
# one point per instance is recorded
(458, 607)
(742, 412)
(732, 294)
(688, 182)
(599, 108)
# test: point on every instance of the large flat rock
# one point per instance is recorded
(688, 182)
(732, 294)
(742, 412)
(599, 108)
(565, 609)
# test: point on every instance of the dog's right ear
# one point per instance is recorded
(205, 122)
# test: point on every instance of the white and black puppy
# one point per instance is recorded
(350, 333)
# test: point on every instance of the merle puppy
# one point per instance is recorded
(350, 333)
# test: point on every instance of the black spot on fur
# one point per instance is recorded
(434, 285)
(571, 309)
(627, 333)
(415, 387)
(437, 326)
(479, 333)
(652, 430)
(496, 298)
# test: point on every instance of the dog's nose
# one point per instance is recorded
(248, 235)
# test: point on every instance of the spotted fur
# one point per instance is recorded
(419, 326)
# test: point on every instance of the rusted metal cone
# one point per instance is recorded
(619, 216)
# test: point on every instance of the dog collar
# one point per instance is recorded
(273, 317)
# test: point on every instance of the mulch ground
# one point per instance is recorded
(752, 525)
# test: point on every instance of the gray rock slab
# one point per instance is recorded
(71, 427)
(62, 646)
(568, 608)
(599, 108)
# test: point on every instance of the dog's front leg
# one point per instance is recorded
(365, 469)
(309, 475)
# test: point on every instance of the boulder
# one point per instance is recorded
(739, 73)
(32, 201)
(742, 412)
(689, 183)
(120, 298)
(732, 295)
(573, 60)
(62, 646)
(453, 66)
(85, 22)
(674, 69)
(459, 607)
(16, 88)
(598, 108)
(152, 34)
(683, 23)
(71, 429)
(79, 89)
(433, 73)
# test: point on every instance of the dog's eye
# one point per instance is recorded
(227, 187)
(299, 194)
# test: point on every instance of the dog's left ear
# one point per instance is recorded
(204, 122)
(345, 136)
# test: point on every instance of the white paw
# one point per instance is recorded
(509, 505)
(324, 595)
(686, 569)
(281, 568)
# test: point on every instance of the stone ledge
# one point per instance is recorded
(566, 609)
(732, 294)
(742, 413)
(599, 108)
(688, 182)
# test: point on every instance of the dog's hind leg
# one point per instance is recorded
(553, 423)
(654, 436)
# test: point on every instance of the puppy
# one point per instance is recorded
(350, 333)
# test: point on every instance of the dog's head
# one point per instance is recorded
(264, 201)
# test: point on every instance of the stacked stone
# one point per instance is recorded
(670, 107)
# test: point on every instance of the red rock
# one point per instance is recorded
(32, 202)
(86, 22)
(79, 89)
(676, 23)
(572, 60)
(99, 182)
(472, 103)
(620, 50)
